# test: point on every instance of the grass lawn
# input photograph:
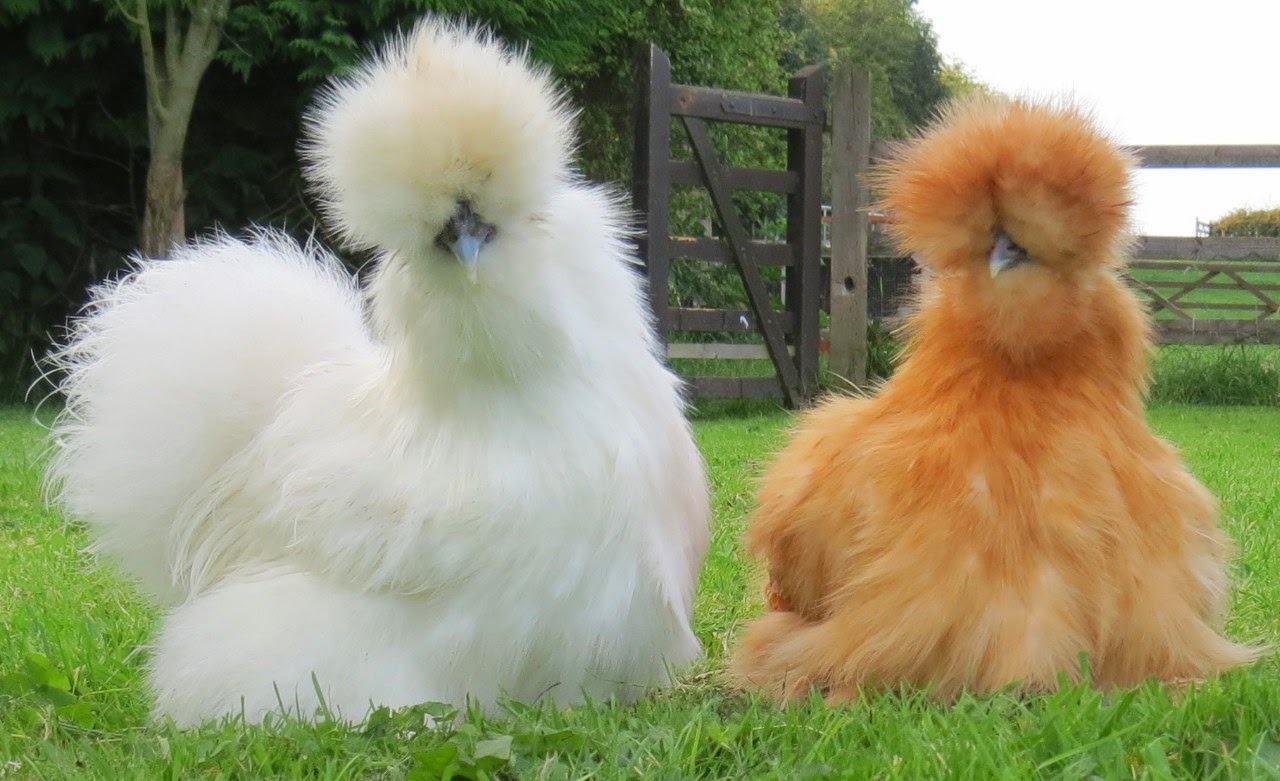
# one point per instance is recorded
(72, 702)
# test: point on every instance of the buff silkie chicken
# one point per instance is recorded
(1000, 506)
(479, 484)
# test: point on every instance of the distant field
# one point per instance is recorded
(1179, 273)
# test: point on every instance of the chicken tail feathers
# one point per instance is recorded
(780, 656)
(171, 369)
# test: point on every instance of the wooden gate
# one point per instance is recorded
(790, 335)
(1209, 289)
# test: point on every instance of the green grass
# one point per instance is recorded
(1231, 375)
(72, 704)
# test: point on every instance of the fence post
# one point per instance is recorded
(850, 159)
(804, 227)
(651, 184)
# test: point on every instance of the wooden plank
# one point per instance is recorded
(742, 107)
(884, 150)
(733, 320)
(733, 388)
(850, 159)
(1209, 156)
(765, 253)
(651, 193)
(1173, 283)
(767, 180)
(758, 297)
(1210, 331)
(1206, 265)
(1256, 290)
(720, 351)
(1208, 248)
(1159, 301)
(804, 224)
(1168, 156)
(1191, 307)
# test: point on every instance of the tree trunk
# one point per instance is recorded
(173, 77)
(163, 223)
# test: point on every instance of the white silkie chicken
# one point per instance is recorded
(479, 484)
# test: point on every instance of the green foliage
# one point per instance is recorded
(734, 44)
(1210, 375)
(959, 82)
(1218, 376)
(884, 351)
(1249, 222)
(66, 142)
(892, 41)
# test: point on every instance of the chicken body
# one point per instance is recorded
(1000, 507)
(479, 484)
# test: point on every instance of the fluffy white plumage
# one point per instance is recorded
(473, 484)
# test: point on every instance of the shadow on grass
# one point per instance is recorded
(721, 409)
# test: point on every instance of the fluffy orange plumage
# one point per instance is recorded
(1000, 507)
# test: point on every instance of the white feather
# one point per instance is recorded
(479, 488)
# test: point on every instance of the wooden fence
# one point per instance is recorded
(790, 336)
(1209, 289)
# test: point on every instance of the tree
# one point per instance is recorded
(173, 67)
(1248, 222)
(959, 82)
(888, 38)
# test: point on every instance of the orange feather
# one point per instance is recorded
(1000, 507)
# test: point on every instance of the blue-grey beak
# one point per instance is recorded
(465, 234)
(1006, 254)
(467, 248)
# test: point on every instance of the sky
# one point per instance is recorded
(1152, 71)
